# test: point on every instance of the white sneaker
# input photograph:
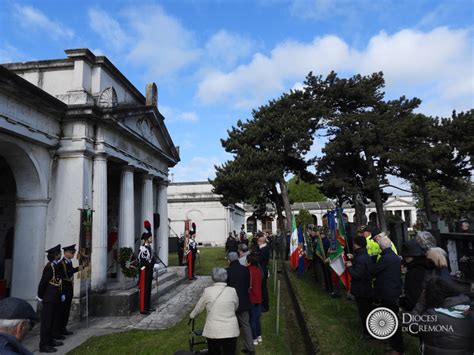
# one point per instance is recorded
(259, 339)
(255, 342)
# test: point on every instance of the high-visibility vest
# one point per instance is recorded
(373, 248)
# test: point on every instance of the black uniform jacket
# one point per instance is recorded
(50, 286)
(67, 274)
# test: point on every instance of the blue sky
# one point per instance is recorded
(214, 61)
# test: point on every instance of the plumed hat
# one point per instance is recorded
(193, 229)
(146, 235)
(147, 225)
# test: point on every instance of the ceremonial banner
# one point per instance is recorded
(85, 242)
(294, 245)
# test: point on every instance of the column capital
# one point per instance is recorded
(100, 157)
(128, 168)
(147, 176)
(162, 183)
(43, 202)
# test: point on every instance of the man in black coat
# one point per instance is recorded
(49, 293)
(361, 279)
(388, 285)
(238, 277)
(264, 260)
(231, 245)
(67, 275)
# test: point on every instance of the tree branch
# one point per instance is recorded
(396, 187)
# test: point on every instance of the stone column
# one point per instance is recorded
(274, 225)
(413, 217)
(29, 255)
(99, 225)
(163, 232)
(147, 203)
(126, 231)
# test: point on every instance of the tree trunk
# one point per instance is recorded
(432, 218)
(279, 208)
(380, 212)
(286, 201)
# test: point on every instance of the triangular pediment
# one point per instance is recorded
(147, 124)
(399, 201)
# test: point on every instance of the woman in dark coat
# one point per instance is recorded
(416, 265)
(445, 325)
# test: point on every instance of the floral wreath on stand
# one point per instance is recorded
(128, 262)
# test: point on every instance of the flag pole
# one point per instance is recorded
(278, 310)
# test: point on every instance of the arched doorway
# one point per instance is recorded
(7, 224)
(267, 224)
(325, 220)
(28, 203)
(251, 225)
(315, 219)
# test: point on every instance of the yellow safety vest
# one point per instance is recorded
(373, 248)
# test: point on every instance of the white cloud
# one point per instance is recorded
(173, 115)
(31, 18)
(437, 63)
(108, 29)
(225, 49)
(146, 36)
(161, 42)
(198, 169)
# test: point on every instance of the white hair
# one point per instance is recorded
(219, 274)
(11, 324)
(385, 243)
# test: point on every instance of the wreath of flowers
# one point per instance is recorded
(128, 262)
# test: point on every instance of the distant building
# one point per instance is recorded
(402, 206)
(196, 202)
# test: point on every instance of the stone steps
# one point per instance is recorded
(120, 302)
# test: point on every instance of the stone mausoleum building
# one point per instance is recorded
(196, 201)
(76, 133)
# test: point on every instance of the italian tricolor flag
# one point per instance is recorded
(337, 257)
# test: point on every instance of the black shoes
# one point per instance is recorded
(67, 332)
(55, 343)
(59, 337)
(151, 310)
(47, 349)
(145, 313)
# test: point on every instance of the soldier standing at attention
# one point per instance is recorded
(147, 259)
(67, 271)
(49, 293)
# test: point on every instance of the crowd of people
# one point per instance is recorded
(417, 286)
(238, 297)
